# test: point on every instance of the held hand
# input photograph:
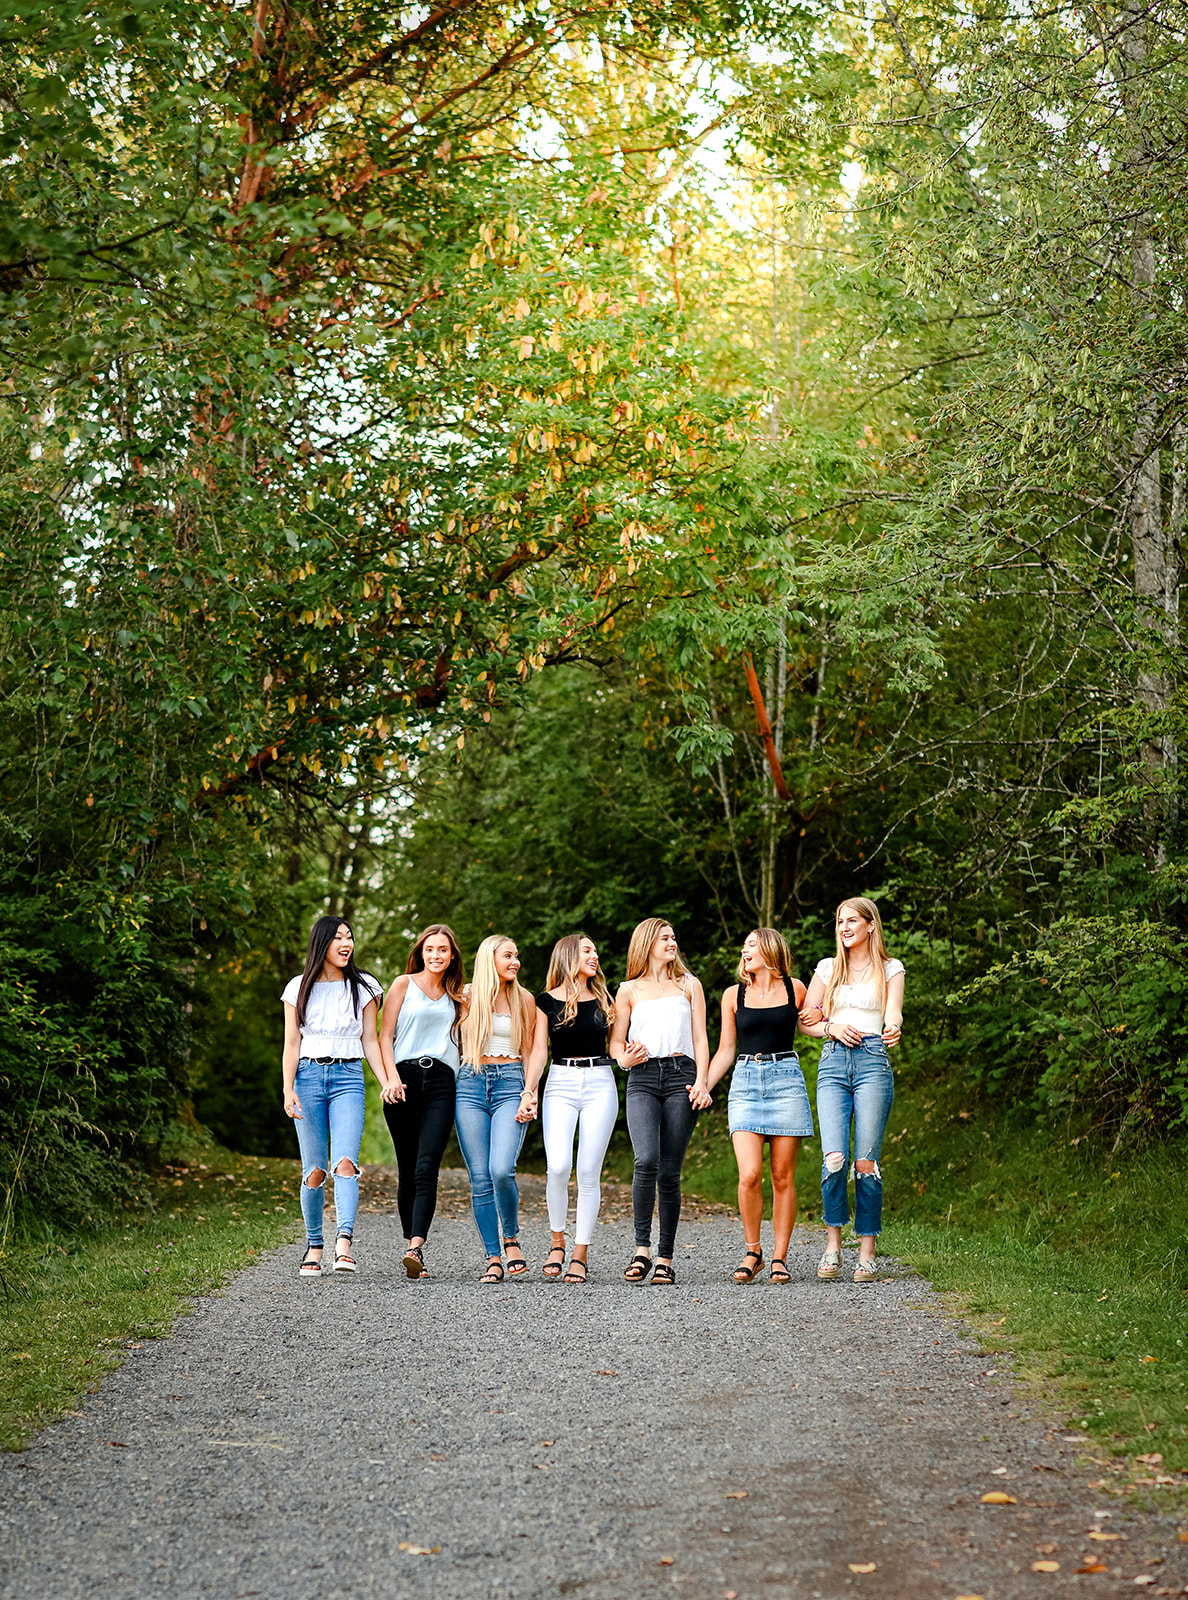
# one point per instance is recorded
(810, 1015)
(699, 1097)
(891, 1036)
(845, 1033)
(392, 1091)
(293, 1106)
(634, 1056)
(527, 1110)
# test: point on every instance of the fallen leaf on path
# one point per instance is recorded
(737, 1494)
(1094, 1566)
(1075, 1438)
(997, 1498)
(605, 1372)
(1154, 1460)
(667, 1561)
(1102, 1537)
(541, 1466)
(1144, 1577)
(418, 1549)
(969, 1597)
(1045, 1566)
(116, 1445)
(862, 1566)
(1000, 1472)
(731, 1594)
(546, 1444)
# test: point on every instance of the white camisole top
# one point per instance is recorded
(663, 1025)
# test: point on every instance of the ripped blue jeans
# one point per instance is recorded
(854, 1082)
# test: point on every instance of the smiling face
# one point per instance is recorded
(854, 931)
(664, 945)
(752, 955)
(587, 963)
(436, 953)
(340, 949)
(507, 961)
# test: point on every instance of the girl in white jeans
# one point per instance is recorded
(581, 1094)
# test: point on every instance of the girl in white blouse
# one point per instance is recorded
(330, 1013)
(854, 1002)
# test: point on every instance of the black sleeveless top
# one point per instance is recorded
(584, 1036)
(769, 1031)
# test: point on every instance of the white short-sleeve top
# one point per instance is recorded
(857, 1003)
(331, 1027)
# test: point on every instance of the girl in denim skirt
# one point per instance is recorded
(768, 1098)
(330, 1013)
(855, 1002)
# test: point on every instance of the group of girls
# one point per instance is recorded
(472, 1056)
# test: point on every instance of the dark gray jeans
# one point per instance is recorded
(660, 1121)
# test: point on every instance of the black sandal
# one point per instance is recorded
(519, 1266)
(309, 1268)
(571, 1274)
(551, 1268)
(743, 1273)
(414, 1263)
(639, 1268)
(493, 1274)
(783, 1275)
(664, 1273)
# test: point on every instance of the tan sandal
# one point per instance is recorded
(829, 1265)
(745, 1274)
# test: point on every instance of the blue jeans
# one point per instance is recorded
(329, 1130)
(490, 1137)
(854, 1081)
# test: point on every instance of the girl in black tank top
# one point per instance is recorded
(768, 1099)
(767, 1031)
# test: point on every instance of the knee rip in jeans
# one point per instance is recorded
(346, 1168)
(834, 1161)
(315, 1178)
(867, 1169)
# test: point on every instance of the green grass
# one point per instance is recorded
(1072, 1257)
(69, 1305)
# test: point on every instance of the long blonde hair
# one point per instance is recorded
(877, 946)
(484, 991)
(563, 973)
(773, 947)
(640, 949)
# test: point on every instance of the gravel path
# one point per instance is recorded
(373, 1438)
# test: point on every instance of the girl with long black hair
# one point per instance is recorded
(419, 1044)
(330, 1013)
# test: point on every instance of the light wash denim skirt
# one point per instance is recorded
(769, 1097)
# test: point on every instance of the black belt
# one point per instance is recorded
(425, 1062)
(585, 1061)
(334, 1061)
(768, 1055)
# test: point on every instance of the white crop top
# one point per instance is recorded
(331, 1027)
(663, 1025)
(499, 1040)
(857, 1003)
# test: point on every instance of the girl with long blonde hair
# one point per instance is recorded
(768, 1098)
(855, 1003)
(659, 1039)
(581, 1096)
(419, 1043)
(492, 1107)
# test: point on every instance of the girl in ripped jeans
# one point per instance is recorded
(854, 1002)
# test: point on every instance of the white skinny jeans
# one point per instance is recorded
(573, 1095)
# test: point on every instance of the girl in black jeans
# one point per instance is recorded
(419, 1044)
(659, 1038)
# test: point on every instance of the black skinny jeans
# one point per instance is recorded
(420, 1126)
(660, 1121)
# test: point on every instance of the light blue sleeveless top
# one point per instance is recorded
(423, 1027)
